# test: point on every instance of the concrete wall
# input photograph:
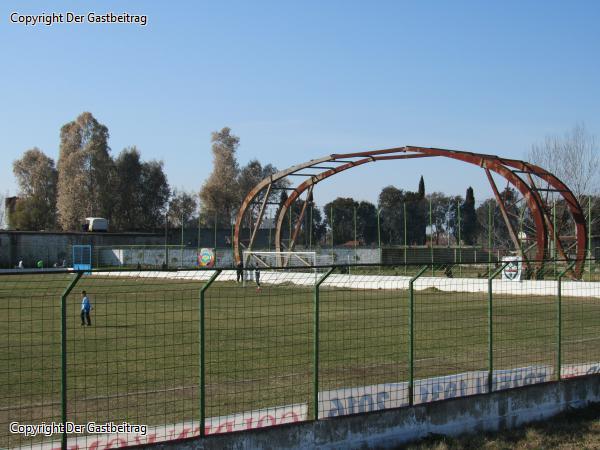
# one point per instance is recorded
(54, 247)
(390, 428)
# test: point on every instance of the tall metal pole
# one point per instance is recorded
(590, 238)
(405, 238)
(270, 230)
(232, 247)
(202, 330)
(198, 246)
(63, 354)
(355, 235)
(490, 377)
(490, 244)
(411, 335)
(215, 231)
(559, 321)
(310, 225)
(166, 239)
(554, 235)
(181, 250)
(378, 230)
(459, 240)
(331, 221)
(431, 236)
(316, 343)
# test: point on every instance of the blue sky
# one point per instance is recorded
(299, 80)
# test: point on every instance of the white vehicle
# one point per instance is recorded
(95, 224)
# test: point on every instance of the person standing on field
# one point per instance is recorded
(257, 278)
(86, 307)
(240, 272)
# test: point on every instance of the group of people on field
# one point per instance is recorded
(240, 275)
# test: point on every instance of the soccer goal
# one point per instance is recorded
(270, 260)
(292, 261)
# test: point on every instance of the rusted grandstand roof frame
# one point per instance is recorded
(509, 169)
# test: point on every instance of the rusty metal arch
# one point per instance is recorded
(509, 169)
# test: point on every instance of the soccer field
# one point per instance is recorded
(139, 361)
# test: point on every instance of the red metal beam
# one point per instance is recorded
(503, 167)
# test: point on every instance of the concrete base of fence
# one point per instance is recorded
(388, 429)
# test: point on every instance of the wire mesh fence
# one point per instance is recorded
(176, 354)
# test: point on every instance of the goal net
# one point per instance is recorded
(271, 260)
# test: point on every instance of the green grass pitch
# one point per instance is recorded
(139, 361)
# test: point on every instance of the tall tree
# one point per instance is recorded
(440, 209)
(454, 213)
(37, 178)
(128, 199)
(391, 201)
(469, 218)
(155, 193)
(85, 172)
(220, 193)
(574, 158)
(250, 175)
(342, 210)
(182, 207)
(366, 218)
(421, 191)
(417, 210)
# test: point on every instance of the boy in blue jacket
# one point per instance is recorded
(86, 306)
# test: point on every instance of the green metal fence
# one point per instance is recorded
(192, 353)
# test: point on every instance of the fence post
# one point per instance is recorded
(431, 237)
(202, 350)
(63, 356)
(491, 327)
(411, 334)
(405, 237)
(589, 252)
(559, 320)
(316, 343)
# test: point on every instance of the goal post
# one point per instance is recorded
(294, 261)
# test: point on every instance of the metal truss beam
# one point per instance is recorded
(509, 169)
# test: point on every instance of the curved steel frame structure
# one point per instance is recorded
(519, 174)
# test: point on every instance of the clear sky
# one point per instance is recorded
(299, 80)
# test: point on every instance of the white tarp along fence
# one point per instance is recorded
(344, 401)
(236, 422)
(334, 403)
(388, 282)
